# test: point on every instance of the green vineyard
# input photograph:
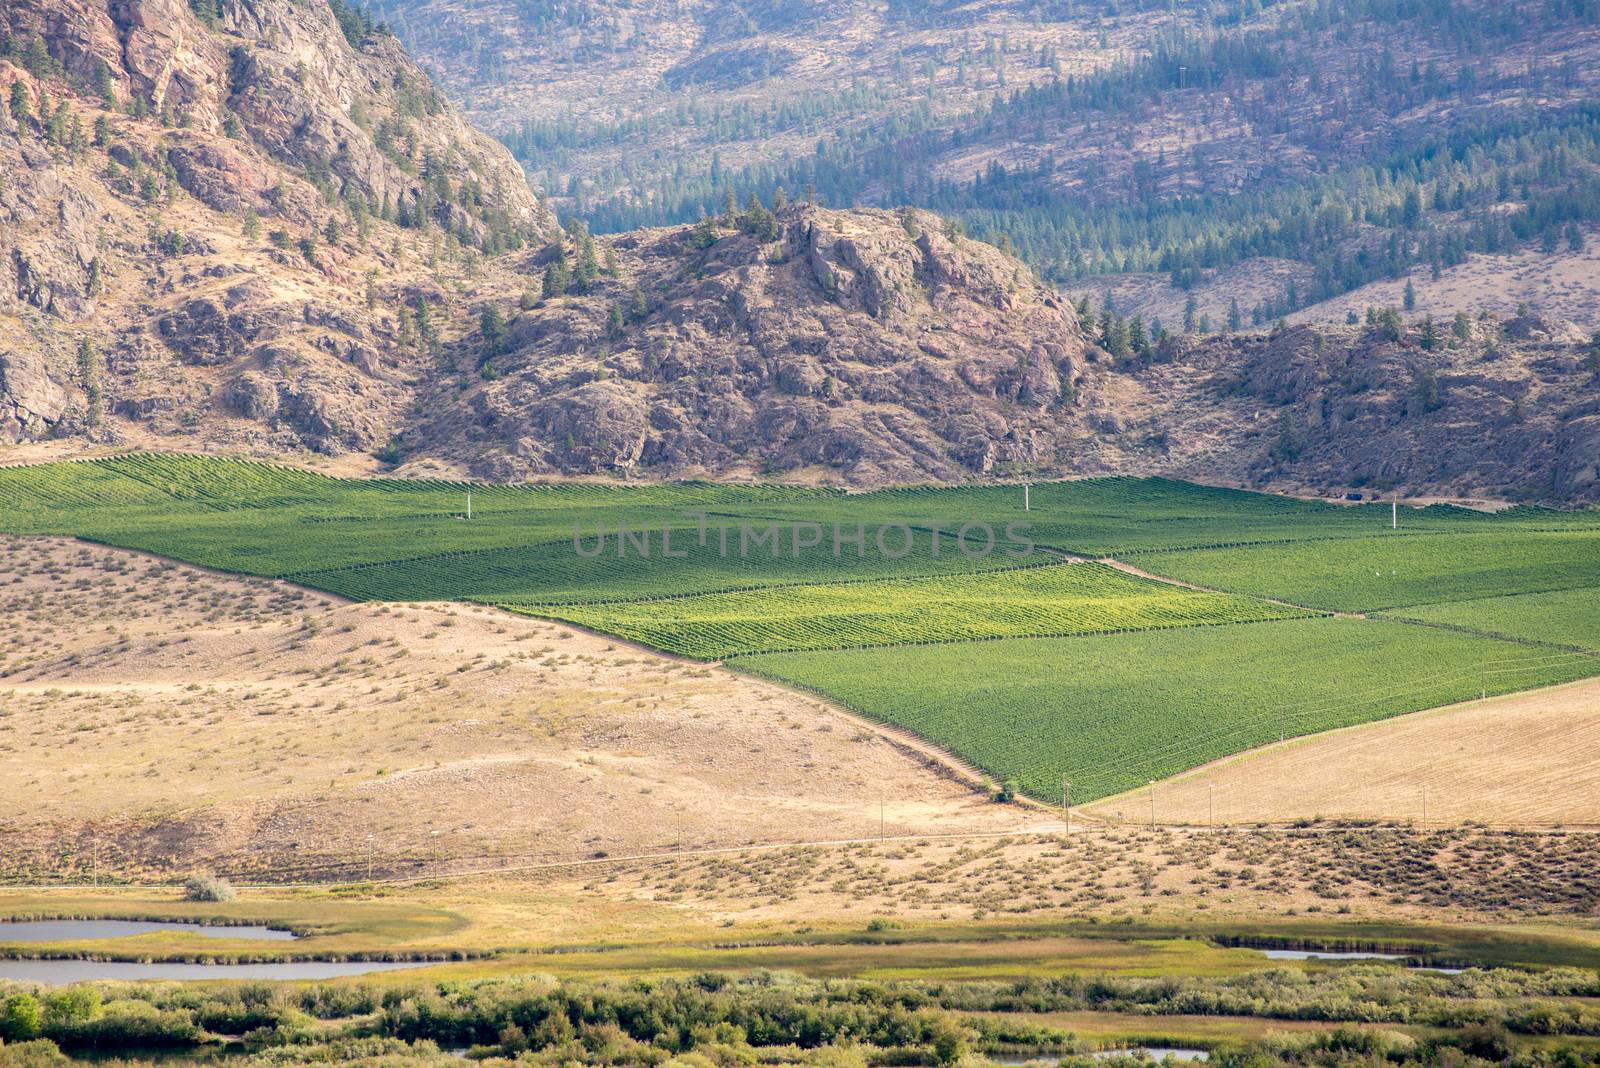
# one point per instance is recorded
(1029, 666)
(1064, 599)
(1375, 573)
(1110, 713)
(1565, 618)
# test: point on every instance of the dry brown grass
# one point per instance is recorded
(1559, 285)
(1390, 871)
(1526, 759)
(165, 717)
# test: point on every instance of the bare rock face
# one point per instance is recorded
(218, 175)
(166, 61)
(33, 399)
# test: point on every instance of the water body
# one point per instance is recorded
(1324, 954)
(61, 972)
(80, 930)
(1155, 1053)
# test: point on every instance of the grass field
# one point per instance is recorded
(158, 718)
(1046, 670)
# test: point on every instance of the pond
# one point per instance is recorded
(1154, 1053)
(81, 930)
(1328, 954)
(60, 972)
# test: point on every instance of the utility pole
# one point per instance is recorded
(1394, 514)
(469, 502)
(1152, 804)
(1027, 502)
(1211, 805)
(1066, 802)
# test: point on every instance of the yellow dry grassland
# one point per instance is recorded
(158, 718)
(1528, 759)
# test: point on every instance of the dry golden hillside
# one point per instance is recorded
(156, 717)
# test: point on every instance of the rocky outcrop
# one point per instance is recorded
(1503, 413)
(33, 399)
(253, 234)
(863, 344)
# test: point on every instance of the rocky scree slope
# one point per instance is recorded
(211, 214)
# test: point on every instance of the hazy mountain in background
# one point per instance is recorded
(1272, 156)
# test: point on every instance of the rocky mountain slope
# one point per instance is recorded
(1482, 408)
(254, 226)
(869, 346)
(210, 213)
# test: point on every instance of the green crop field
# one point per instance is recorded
(1030, 667)
(1567, 617)
(1042, 601)
(1375, 573)
(1111, 713)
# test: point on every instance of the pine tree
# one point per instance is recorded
(1430, 333)
(405, 332)
(1190, 307)
(588, 268)
(425, 328)
(1287, 447)
(1410, 298)
(1235, 317)
(556, 277)
(20, 110)
(89, 377)
(103, 84)
(492, 325)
